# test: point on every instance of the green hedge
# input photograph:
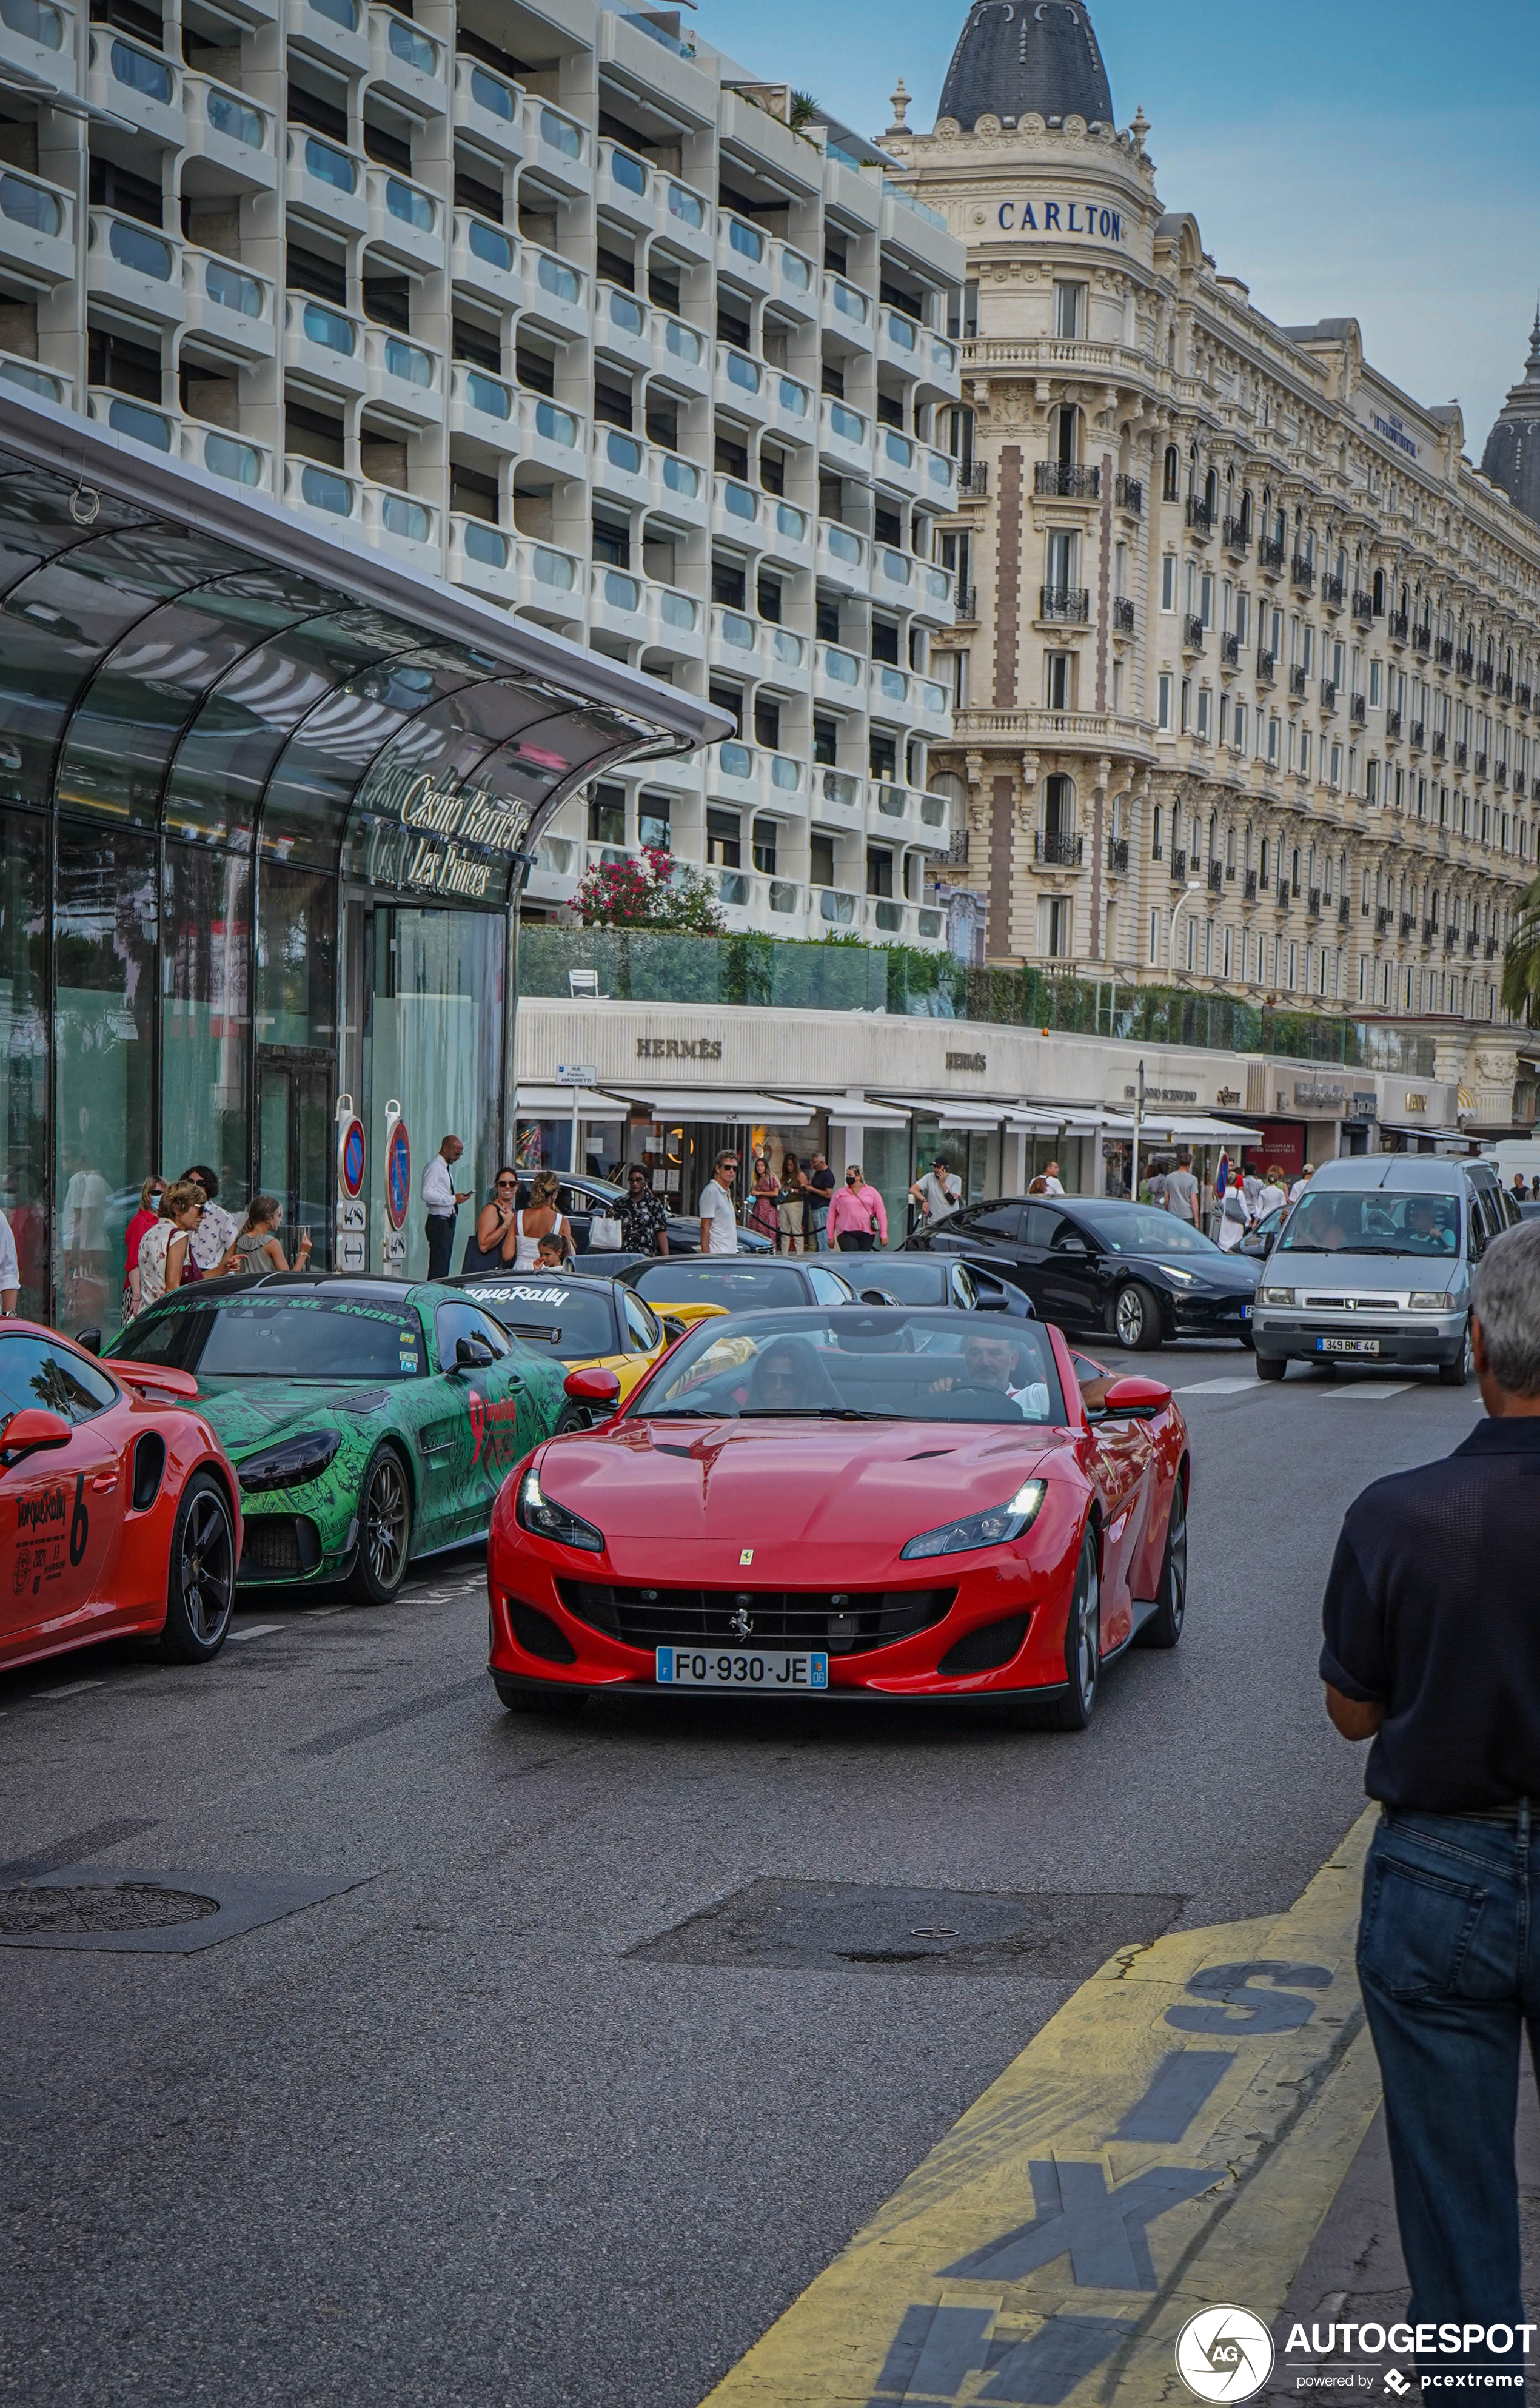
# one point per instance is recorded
(750, 972)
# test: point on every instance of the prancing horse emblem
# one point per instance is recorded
(741, 1623)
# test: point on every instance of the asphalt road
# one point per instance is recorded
(439, 2138)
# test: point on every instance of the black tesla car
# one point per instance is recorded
(1137, 1273)
(959, 1287)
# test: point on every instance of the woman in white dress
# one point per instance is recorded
(539, 1218)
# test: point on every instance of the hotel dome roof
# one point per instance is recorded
(1015, 58)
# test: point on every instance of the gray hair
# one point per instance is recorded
(1506, 1296)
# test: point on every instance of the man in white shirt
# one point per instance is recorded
(719, 1217)
(11, 1275)
(1302, 1182)
(217, 1229)
(1052, 1183)
(441, 1201)
(938, 1193)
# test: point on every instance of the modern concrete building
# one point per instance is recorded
(1247, 654)
(556, 301)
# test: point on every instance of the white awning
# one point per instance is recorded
(853, 1112)
(716, 1104)
(1178, 1128)
(1053, 1120)
(539, 1102)
(962, 1113)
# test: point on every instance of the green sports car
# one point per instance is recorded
(369, 1422)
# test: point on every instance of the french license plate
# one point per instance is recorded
(1346, 1346)
(762, 1668)
(1245, 1312)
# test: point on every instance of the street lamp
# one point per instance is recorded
(1193, 886)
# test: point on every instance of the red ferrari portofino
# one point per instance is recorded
(849, 1501)
(119, 1513)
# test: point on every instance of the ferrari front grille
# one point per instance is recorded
(840, 1621)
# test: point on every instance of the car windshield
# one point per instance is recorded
(911, 1279)
(858, 1363)
(574, 1322)
(302, 1336)
(690, 1279)
(1324, 1222)
(1142, 1229)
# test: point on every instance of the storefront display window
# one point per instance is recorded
(435, 1046)
(104, 932)
(24, 1050)
(296, 957)
(205, 1018)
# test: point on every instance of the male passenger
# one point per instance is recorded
(1432, 1652)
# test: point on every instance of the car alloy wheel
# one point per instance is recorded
(1082, 1644)
(1454, 1375)
(385, 1530)
(1164, 1626)
(200, 1589)
(1135, 1318)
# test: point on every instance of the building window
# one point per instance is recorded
(606, 815)
(1156, 818)
(1154, 937)
(766, 834)
(1168, 581)
(1069, 311)
(1163, 707)
(1374, 686)
(1171, 478)
(1240, 726)
(1205, 700)
(723, 843)
(820, 866)
(1053, 927)
(653, 823)
(1061, 681)
(879, 873)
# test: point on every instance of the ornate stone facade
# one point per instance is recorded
(1247, 693)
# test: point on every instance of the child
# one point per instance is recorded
(551, 1253)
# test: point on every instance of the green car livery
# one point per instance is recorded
(369, 1421)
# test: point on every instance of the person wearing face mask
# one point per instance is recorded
(857, 1217)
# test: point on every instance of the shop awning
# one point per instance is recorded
(853, 1112)
(963, 1113)
(544, 1103)
(714, 1104)
(1052, 1119)
(179, 653)
(1177, 1129)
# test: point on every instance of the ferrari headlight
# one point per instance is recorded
(290, 1465)
(541, 1515)
(1275, 1296)
(991, 1529)
(1439, 1303)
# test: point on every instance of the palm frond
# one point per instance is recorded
(1521, 959)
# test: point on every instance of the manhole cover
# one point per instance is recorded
(1032, 1935)
(100, 1906)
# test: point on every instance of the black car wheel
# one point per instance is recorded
(200, 1585)
(1082, 1645)
(1134, 1319)
(1164, 1626)
(1271, 1367)
(384, 1530)
(1454, 1375)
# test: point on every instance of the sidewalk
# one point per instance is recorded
(1172, 2140)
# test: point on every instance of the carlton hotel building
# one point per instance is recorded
(1247, 654)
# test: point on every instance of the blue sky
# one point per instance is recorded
(1375, 159)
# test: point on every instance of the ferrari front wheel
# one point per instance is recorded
(1082, 1645)
(384, 1530)
(200, 1576)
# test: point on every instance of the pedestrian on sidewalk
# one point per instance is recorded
(1181, 1190)
(257, 1247)
(1052, 1183)
(643, 1220)
(150, 1192)
(718, 1220)
(541, 1217)
(857, 1217)
(792, 1208)
(821, 1182)
(1433, 1652)
(214, 1239)
(763, 1214)
(441, 1201)
(165, 1252)
(1234, 1217)
(490, 1245)
(938, 1193)
(1302, 1182)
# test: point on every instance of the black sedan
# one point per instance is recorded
(588, 1197)
(927, 1279)
(1131, 1270)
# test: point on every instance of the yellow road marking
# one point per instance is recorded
(1170, 2140)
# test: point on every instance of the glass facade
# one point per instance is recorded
(236, 794)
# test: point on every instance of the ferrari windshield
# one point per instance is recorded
(1144, 1229)
(741, 1286)
(1354, 1223)
(858, 1363)
(572, 1321)
(300, 1336)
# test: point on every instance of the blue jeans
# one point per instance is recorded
(1448, 1959)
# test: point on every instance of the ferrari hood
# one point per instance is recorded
(800, 1488)
(245, 1413)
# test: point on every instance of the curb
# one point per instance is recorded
(1170, 2140)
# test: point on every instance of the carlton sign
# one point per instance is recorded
(1085, 217)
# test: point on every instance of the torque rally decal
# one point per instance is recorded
(495, 1428)
(50, 1531)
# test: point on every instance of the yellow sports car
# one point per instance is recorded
(584, 1322)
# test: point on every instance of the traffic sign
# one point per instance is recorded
(576, 1074)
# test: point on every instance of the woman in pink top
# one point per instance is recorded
(142, 1222)
(858, 1218)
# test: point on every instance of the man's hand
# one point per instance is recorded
(1356, 1718)
(462, 1196)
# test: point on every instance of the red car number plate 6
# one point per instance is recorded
(714, 1668)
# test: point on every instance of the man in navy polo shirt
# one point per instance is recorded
(1432, 1652)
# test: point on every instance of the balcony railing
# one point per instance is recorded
(1266, 664)
(1382, 920)
(1444, 651)
(1068, 480)
(1396, 627)
(1312, 903)
(1129, 494)
(1122, 616)
(966, 602)
(1392, 726)
(1234, 536)
(1451, 938)
(1270, 553)
(1499, 774)
(1464, 664)
(1409, 923)
(1416, 735)
(1331, 592)
(1423, 640)
(1344, 912)
(1523, 695)
(1117, 853)
(1430, 930)
(1248, 887)
(1286, 894)
(1200, 518)
(1504, 686)
(1328, 693)
(1461, 753)
(1059, 852)
(1179, 868)
(973, 483)
(1302, 572)
(1358, 709)
(1479, 765)
(1193, 634)
(1216, 877)
(1363, 604)
(1230, 651)
(1297, 685)
(1486, 675)
(1491, 949)
(1065, 602)
(1440, 745)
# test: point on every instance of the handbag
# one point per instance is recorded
(605, 1235)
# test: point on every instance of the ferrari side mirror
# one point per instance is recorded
(592, 1386)
(1136, 1398)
